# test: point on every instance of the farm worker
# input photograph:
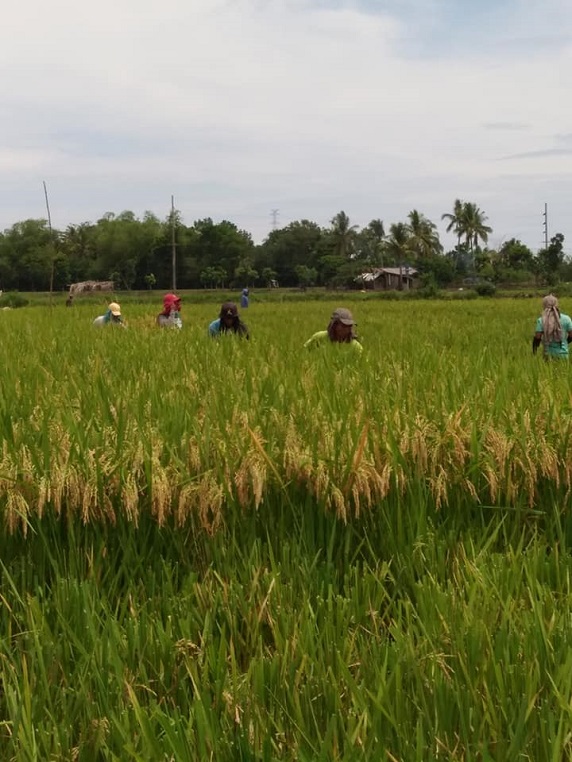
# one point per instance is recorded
(340, 330)
(111, 317)
(171, 315)
(228, 321)
(244, 298)
(553, 330)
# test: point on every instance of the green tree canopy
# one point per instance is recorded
(550, 260)
(299, 243)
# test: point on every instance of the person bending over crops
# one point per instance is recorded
(553, 330)
(341, 330)
(171, 315)
(112, 316)
(228, 321)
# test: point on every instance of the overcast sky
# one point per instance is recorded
(309, 107)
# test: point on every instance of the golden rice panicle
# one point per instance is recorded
(210, 503)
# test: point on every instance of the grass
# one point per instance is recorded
(239, 550)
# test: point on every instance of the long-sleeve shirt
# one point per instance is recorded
(109, 319)
(216, 328)
(173, 320)
(321, 338)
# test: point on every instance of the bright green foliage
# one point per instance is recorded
(299, 243)
(467, 221)
(551, 259)
(219, 549)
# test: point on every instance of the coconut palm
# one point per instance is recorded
(344, 235)
(77, 245)
(423, 236)
(369, 244)
(377, 229)
(473, 225)
(398, 246)
(455, 220)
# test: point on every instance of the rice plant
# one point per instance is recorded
(220, 549)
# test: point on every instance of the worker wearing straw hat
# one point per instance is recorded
(112, 316)
(553, 330)
(341, 330)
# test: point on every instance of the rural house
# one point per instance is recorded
(387, 278)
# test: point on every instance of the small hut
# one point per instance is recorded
(388, 278)
(91, 286)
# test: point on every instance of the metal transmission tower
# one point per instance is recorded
(274, 215)
(545, 225)
(173, 244)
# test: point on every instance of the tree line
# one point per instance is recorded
(136, 253)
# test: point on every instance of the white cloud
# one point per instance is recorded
(241, 106)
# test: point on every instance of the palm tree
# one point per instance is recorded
(398, 246)
(369, 244)
(343, 234)
(455, 220)
(473, 225)
(378, 232)
(423, 236)
(77, 244)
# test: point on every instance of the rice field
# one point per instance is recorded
(231, 550)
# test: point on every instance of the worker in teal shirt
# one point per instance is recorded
(112, 316)
(228, 321)
(553, 330)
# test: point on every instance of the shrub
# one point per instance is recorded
(429, 288)
(12, 299)
(486, 288)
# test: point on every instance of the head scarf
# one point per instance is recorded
(171, 303)
(551, 325)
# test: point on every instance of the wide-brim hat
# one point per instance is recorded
(342, 315)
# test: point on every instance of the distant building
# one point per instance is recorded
(89, 286)
(387, 278)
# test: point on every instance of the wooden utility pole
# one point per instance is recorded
(51, 241)
(173, 244)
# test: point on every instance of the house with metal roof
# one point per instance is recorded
(388, 278)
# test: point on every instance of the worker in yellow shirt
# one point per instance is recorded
(341, 330)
